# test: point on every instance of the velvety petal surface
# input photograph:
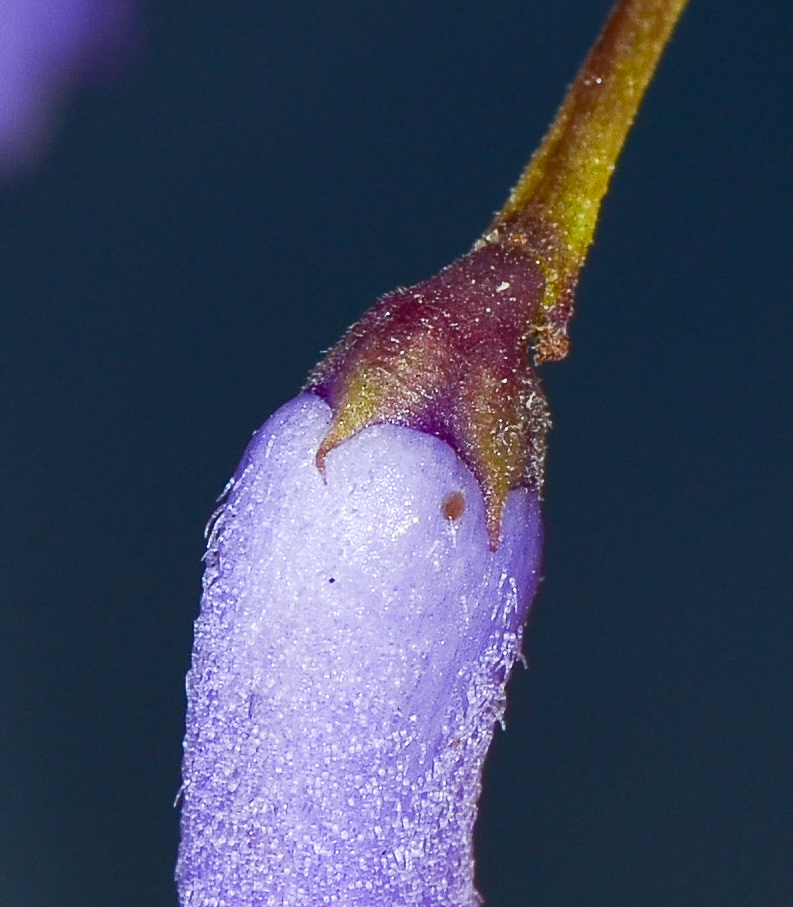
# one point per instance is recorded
(349, 666)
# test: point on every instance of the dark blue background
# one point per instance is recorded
(205, 228)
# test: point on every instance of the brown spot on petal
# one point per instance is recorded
(453, 506)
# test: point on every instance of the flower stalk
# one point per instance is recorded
(553, 209)
(451, 355)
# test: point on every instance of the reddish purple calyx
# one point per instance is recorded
(450, 357)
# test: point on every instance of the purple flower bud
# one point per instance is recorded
(350, 660)
(45, 47)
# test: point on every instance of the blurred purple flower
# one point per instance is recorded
(349, 665)
(46, 48)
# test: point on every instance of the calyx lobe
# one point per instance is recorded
(451, 357)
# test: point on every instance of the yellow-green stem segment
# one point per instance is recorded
(554, 206)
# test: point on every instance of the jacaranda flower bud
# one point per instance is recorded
(355, 637)
(370, 572)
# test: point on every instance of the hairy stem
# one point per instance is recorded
(556, 201)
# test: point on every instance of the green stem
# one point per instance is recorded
(553, 208)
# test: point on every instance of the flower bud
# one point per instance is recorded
(355, 637)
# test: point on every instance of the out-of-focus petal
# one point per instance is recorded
(349, 665)
(46, 48)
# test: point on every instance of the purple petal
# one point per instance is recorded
(46, 46)
(350, 659)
